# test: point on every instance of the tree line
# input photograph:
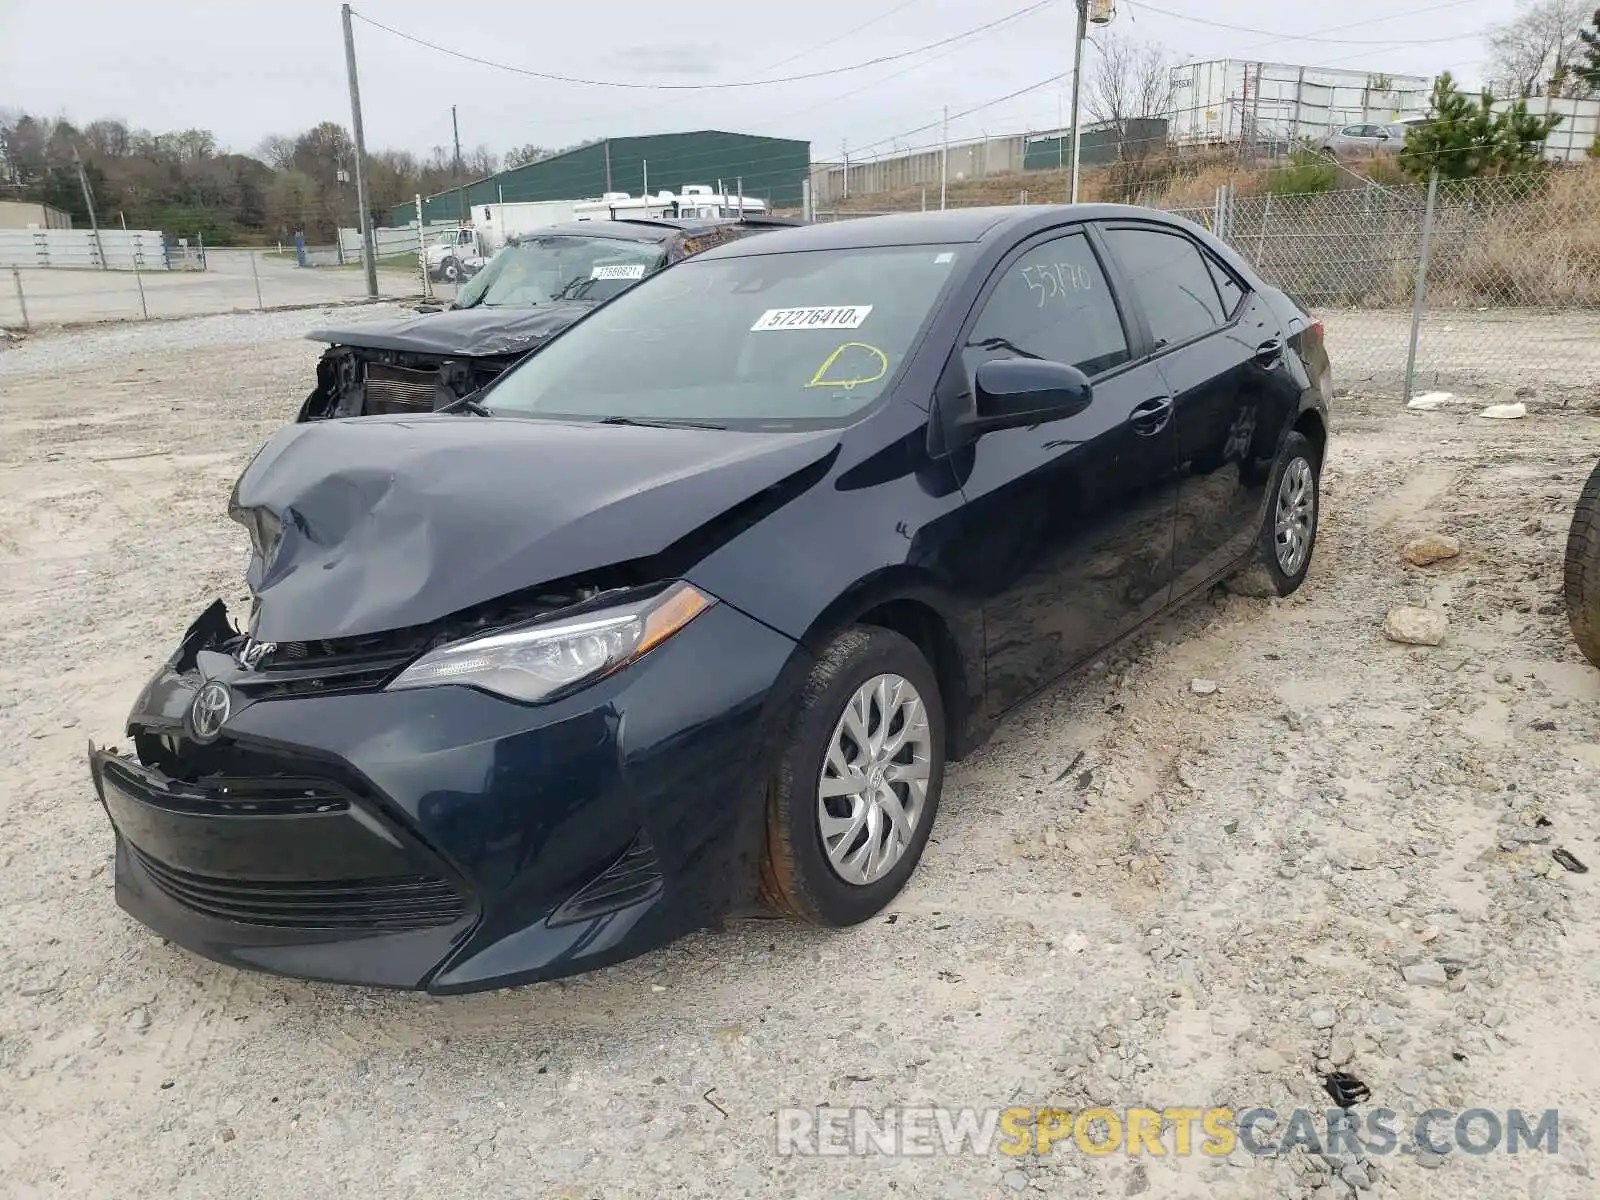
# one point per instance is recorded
(181, 182)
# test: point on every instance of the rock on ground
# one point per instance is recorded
(1416, 626)
(1431, 548)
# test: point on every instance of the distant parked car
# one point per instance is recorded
(532, 289)
(695, 603)
(1363, 141)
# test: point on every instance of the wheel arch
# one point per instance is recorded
(1313, 425)
(949, 634)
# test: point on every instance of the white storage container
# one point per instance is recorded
(1226, 100)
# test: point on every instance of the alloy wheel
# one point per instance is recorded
(874, 782)
(1295, 515)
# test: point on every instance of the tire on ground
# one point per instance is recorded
(1581, 585)
(1262, 576)
(796, 877)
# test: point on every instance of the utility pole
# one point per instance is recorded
(844, 148)
(461, 195)
(88, 202)
(368, 252)
(1077, 87)
(608, 164)
(944, 157)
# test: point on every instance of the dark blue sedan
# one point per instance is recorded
(692, 607)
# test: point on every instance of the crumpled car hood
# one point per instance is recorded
(390, 522)
(464, 331)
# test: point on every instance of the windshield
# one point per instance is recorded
(446, 239)
(538, 270)
(788, 341)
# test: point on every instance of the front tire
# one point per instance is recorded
(1581, 585)
(854, 795)
(449, 270)
(1288, 534)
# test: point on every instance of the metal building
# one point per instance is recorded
(769, 168)
(1229, 101)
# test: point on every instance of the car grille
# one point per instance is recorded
(398, 390)
(371, 905)
(367, 662)
(331, 667)
(634, 877)
(224, 796)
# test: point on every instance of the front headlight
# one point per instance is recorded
(539, 662)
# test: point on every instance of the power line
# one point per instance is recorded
(1410, 12)
(834, 41)
(689, 87)
(1301, 37)
(1032, 87)
(834, 99)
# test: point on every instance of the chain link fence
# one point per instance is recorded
(1484, 287)
(234, 280)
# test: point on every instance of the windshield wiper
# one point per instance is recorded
(660, 423)
(468, 403)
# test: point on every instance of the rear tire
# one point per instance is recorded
(1581, 588)
(883, 781)
(1288, 535)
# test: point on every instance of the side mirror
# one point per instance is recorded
(1013, 392)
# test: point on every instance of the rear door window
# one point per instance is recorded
(1170, 281)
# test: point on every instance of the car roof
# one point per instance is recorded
(929, 228)
(633, 231)
(654, 229)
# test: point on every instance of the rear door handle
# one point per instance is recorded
(1269, 352)
(1152, 416)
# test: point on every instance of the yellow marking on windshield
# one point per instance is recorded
(819, 380)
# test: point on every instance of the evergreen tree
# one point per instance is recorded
(1466, 138)
(1589, 71)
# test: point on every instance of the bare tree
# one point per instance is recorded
(1131, 80)
(1540, 51)
(521, 156)
(277, 151)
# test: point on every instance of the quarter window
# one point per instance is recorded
(1229, 288)
(1052, 303)
(1170, 281)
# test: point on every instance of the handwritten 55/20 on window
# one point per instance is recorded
(1057, 281)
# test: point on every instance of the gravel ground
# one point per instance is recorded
(1145, 892)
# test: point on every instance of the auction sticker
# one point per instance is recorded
(619, 271)
(846, 316)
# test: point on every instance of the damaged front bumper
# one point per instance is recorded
(357, 382)
(441, 838)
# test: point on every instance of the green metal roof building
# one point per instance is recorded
(769, 168)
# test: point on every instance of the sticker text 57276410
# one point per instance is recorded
(842, 316)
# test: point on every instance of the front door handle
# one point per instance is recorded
(1269, 352)
(1152, 416)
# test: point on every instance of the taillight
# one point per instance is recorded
(1316, 327)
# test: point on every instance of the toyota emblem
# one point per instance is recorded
(209, 711)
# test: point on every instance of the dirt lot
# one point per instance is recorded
(1139, 895)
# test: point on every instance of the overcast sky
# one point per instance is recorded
(245, 69)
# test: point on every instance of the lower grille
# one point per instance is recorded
(398, 390)
(371, 905)
(634, 877)
(220, 796)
